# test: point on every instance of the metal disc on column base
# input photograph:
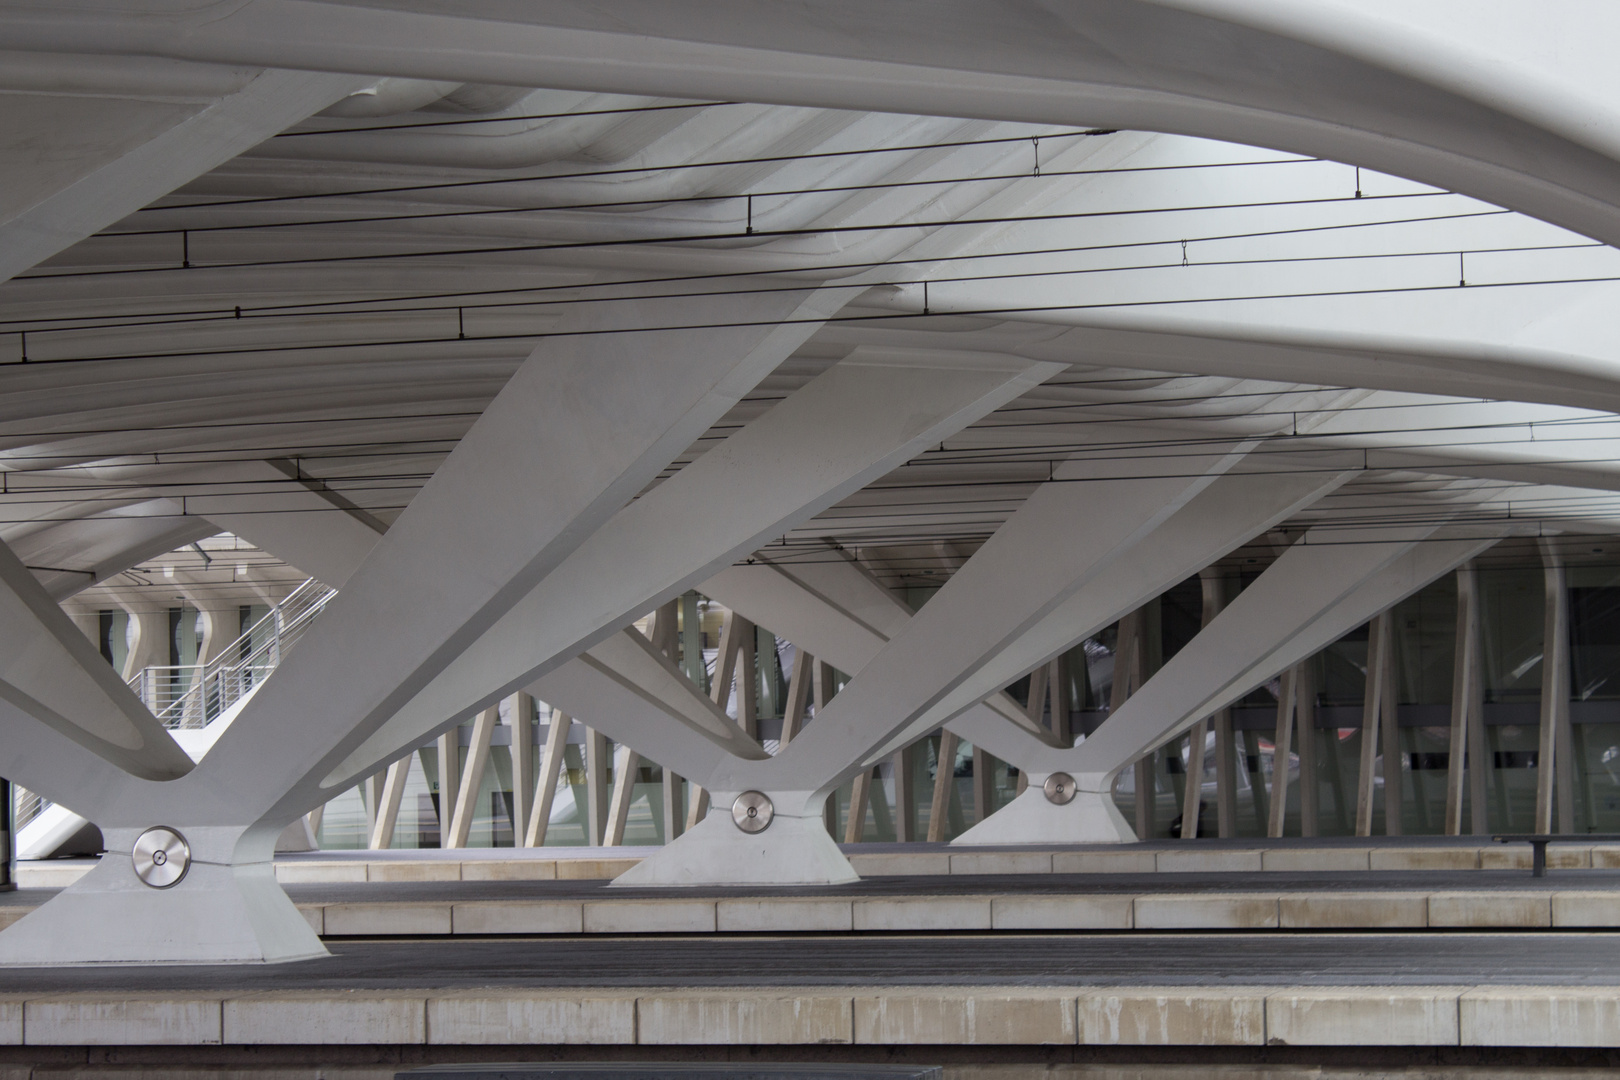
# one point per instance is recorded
(1059, 788)
(161, 857)
(752, 811)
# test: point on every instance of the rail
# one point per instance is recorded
(193, 695)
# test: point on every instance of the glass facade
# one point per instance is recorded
(1512, 603)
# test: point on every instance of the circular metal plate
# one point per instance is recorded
(753, 811)
(162, 857)
(1059, 788)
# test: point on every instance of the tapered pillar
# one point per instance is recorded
(1212, 586)
(859, 796)
(1462, 763)
(545, 790)
(984, 791)
(1128, 674)
(472, 777)
(1372, 719)
(1225, 775)
(1282, 747)
(1553, 750)
(905, 796)
(1305, 738)
(944, 785)
(1390, 732)
(674, 800)
(798, 695)
(596, 786)
(387, 816)
(626, 765)
(449, 755)
(521, 709)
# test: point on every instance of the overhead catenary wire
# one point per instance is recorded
(370, 447)
(236, 311)
(890, 317)
(588, 174)
(714, 237)
(745, 197)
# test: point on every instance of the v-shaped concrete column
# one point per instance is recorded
(587, 421)
(854, 423)
(1322, 587)
(1071, 530)
(836, 608)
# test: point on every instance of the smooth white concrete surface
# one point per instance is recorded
(1089, 818)
(1466, 111)
(222, 910)
(97, 161)
(793, 850)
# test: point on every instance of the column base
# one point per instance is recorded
(219, 913)
(1089, 818)
(793, 851)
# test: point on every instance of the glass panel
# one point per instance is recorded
(1594, 643)
(1511, 603)
(345, 825)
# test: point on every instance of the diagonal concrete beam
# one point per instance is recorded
(1317, 591)
(586, 422)
(52, 677)
(630, 659)
(656, 712)
(259, 501)
(1320, 589)
(141, 150)
(854, 423)
(1071, 530)
(72, 556)
(1232, 511)
(834, 610)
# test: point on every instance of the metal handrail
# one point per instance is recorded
(211, 688)
(192, 695)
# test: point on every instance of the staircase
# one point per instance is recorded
(194, 695)
(184, 698)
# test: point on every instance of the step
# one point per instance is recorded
(381, 911)
(1254, 1016)
(579, 864)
